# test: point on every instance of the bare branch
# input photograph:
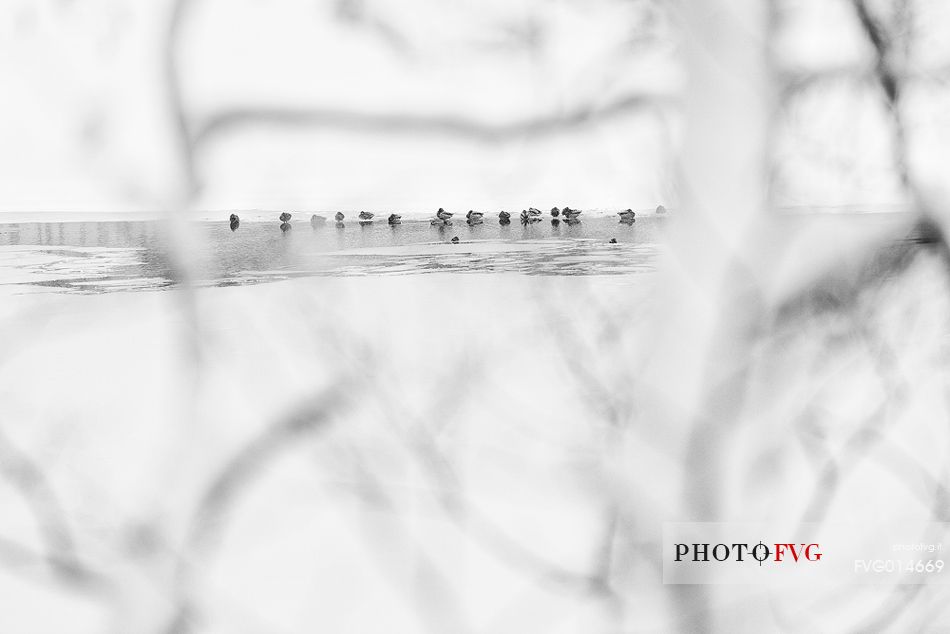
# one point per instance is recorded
(235, 119)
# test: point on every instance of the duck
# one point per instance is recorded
(504, 216)
(339, 216)
(477, 215)
(317, 221)
(527, 216)
(613, 241)
(443, 214)
(235, 222)
(570, 214)
(660, 209)
(627, 217)
(534, 212)
(555, 212)
(365, 215)
(285, 217)
(394, 219)
(455, 240)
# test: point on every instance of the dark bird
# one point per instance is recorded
(235, 222)
(570, 214)
(660, 209)
(527, 216)
(455, 240)
(555, 212)
(613, 241)
(339, 216)
(285, 217)
(317, 221)
(443, 214)
(394, 219)
(365, 215)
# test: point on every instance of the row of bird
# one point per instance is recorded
(528, 216)
(317, 220)
(364, 216)
(444, 218)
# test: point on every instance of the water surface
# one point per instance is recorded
(95, 257)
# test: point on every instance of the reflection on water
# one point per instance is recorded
(107, 256)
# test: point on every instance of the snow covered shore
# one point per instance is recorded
(260, 215)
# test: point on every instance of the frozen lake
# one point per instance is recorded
(95, 257)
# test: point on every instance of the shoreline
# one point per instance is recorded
(270, 215)
(256, 215)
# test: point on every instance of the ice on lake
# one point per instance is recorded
(94, 257)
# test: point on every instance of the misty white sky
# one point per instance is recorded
(86, 120)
